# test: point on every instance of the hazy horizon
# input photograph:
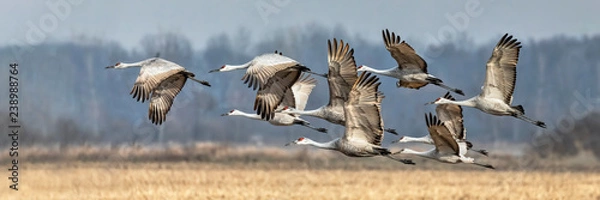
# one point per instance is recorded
(428, 22)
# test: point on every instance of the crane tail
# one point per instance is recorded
(519, 108)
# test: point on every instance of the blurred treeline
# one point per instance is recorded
(67, 97)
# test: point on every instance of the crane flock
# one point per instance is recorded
(284, 85)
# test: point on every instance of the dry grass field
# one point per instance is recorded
(132, 174)
(216, 181)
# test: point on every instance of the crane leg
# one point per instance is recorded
(391, 130)
(481, 151)
(439, 82)
(534, 122)
(484, 165)
(306, 124)
(386, 153)
(405, 161)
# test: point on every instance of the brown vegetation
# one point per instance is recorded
(185, 180)
(219, 171)
(304, 157)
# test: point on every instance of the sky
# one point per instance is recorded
(430, 22)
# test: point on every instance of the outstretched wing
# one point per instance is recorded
(363, 111)
(342, 72)
(163, 96)
(501, 70)
(442, 139)
(263, 67)
(452, 117)
(298, 95)
(403, 53)
(271, 94)
(152, 73)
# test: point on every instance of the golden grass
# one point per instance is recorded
(195, 180)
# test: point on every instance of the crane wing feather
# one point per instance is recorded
(452, 117)
(163, 96)
(442, 139)
(271, 94)
(298, 95)
(403, 53)
(152, 73)
(363, 111)
(263, 67)
(501, 70)
(342, 72)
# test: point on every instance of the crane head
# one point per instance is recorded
(360, 68)
(231, 112)
(286, 110)
(114, 66)
(363, 68)
(299, 141)
(217, 70)
(437, 101)
(401, 140)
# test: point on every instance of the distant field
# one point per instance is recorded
(196, 180)
(217, 171)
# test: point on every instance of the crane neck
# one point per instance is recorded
(127, 65)
(425, 139)
(387, 72)
(331, 145)
(314, 113)
(469, 102)
(236, 67)
(247, 115)
(425, 154)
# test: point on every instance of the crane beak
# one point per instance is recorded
(214, 70)
(110, 67)
(288, 144)
(224, 114)
(398, 140)
(430, 103)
